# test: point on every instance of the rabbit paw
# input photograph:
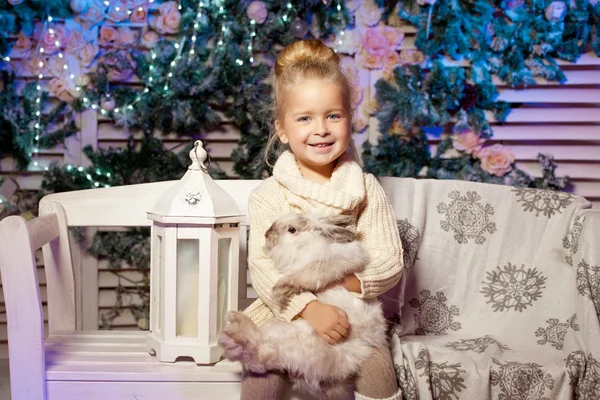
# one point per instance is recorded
(240, 341)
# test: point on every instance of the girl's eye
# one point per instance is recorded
(292, 230)
(303, 119)
(335, 116)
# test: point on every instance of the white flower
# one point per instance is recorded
(369, 14)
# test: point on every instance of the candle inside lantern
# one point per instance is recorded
(188, 255)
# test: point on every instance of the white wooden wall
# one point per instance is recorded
(561, 120)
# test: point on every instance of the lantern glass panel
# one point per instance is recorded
(224, 263)
(188, 256)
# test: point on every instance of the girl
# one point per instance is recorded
(313, 118)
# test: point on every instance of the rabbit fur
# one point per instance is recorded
(310, 252)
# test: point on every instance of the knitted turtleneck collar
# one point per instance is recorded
(345, 189)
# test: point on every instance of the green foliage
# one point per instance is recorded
(418, 97)
(396, 156)
(139, 162)
(18, 119)
(512, 39)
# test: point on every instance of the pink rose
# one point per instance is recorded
(149, 39)
(411, 56)
(117, 13)
(168, 7)
(393, 37)
(23, 43)
(15, 2)
(168, 20)
(467, 141)
(92, 17)
(257, 10)
(53, 39)
(373, 48)
(375, 42)
(496, 160)
(139, 15)
(56, 66)
(349, 70)
(82, 80)
(59, 87)
(107, 35)
(75, 42)
(88, 53)
(33, 64)
(390, 62)
(126, 37)
(359, 124)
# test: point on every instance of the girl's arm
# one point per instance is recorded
(263, 209)
(378, 230)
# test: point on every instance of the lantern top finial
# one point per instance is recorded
(198, 155)
(196, 197)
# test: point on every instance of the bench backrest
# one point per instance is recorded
(119, 206)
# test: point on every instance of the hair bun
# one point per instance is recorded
(305, 52)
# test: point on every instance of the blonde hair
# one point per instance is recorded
(300, 61)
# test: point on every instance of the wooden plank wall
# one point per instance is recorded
(563, 120)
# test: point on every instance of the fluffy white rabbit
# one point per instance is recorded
(310, 252)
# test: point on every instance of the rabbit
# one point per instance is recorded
(310, 253)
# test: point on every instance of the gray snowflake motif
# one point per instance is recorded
(406, 382)
(478, 345)
(546, 202)
(433, 315)
(556, 331)
(410, 238)
(444, 380)
(521, 381)
(468, 218)
(588, 283)
(584, 375)
(512, 288)
(192, 197)
(571, 241)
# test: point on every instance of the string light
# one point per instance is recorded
(252, 34)
(95, 181)
(38, 100)
(340, 40)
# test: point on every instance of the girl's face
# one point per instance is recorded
(316, 126)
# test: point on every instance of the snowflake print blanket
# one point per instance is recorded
(501, 293)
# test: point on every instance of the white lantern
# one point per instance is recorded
(194, 266)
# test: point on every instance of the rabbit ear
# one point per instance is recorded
(340, 220)
(338, 234)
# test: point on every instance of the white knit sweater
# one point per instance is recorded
(349, 191)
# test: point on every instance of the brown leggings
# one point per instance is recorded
(376, 379)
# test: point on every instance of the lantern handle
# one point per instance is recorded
(198, 155)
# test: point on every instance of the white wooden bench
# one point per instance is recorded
(72, 364)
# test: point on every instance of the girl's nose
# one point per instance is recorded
(321, 129)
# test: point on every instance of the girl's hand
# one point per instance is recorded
(330, 322)
(350, 282)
